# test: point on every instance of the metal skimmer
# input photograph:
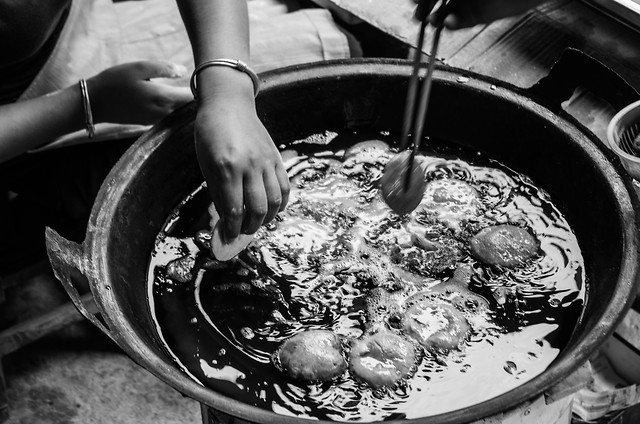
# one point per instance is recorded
(413, 117)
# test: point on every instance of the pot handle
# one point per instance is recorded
(574, 69)
(577, 380)
(69, 266)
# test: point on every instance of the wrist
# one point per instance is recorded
(65, 109)
(223, 82)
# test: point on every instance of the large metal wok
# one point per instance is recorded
(525, 129)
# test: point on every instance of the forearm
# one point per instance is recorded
(218, 29)
(237, 157)
(32, 123)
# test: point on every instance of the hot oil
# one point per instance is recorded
(223, 326)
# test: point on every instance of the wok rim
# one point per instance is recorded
(626, 284)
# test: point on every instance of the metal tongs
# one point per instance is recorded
(411, 116)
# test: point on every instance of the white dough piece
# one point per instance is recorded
(221, 248)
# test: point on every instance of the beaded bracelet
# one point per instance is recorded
(88, 116)
(231, 63)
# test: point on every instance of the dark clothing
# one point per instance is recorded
(16, 78)
(54, 188)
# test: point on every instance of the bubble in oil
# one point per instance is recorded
(247, 333)
(511, 367)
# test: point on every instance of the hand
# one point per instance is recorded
(243, 169)
(125, 94)
(467, 13)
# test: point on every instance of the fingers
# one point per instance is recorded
(230, 206)
(158, 100)
(255, 198)
(262, 197)
(453, 21)
(424, 8)
(178, 95)
(468, 13)
(265, 196)
(274, 196)
(283, 183)
(167, 97)
(149, 69)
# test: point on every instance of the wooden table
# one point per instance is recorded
(520, 50)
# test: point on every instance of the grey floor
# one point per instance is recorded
(78, 376)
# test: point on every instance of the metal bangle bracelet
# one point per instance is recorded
(231, 63)
(88, 116)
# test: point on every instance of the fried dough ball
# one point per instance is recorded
(368, 151)
(382, 359)
(314, 355)
(180, 270)
(452, 201)
(505, 245)
(436, 325)
(400, 198)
